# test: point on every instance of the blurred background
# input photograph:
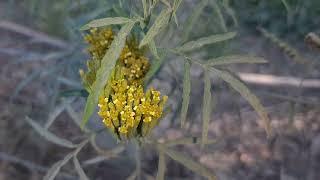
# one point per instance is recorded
(42, 50)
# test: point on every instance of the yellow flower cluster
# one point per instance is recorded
(128, 111)
(125, 108)
(134, 64)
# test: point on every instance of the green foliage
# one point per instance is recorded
(154, 19)
(206, 107)
(185, 93)
(234, 59)
(247, 94)
(107, 64)
(105, 22)
(160, 22)
(192, 45)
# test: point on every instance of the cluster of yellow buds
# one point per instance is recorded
(134, 64)
(129, 112)
(125, 108)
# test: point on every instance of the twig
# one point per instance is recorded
(36, 35)
(272, 80)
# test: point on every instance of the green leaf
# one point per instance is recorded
(247, 94)
(230, 11)
(219, 15)
(50, 136)
(176, 5)
(190, 163)
(205, 41)
(107, 65)
(105, 22)
(55, 169)
(192, 19)
(160, 22)
(232, 59)
(145, 8)
(80, 171)
(161, 166)
(206, 108)
(185, 93)
(153, 49)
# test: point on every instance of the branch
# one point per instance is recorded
(38, 36)
(272, 80)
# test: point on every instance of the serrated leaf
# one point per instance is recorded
(160, 22)
(247, 94)
(192, 19)
(205, 41)
(190, 163)
(206, 107)
(161, 166)
(54, 170)
(80, 171)
(233, 59)
(105, 22)
(50, 136)
(107, 65)
(185, 93)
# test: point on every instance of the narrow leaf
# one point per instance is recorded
(79, 169)
(145, 8)
(160, 22)
(107, 65)
(206, 108)
(176, 5)
(205, 41)
(233, 59)
(161, 166)
(153, 49)
(247, 94)
(105, 22)
(219, 15)
(192, 19)
(185, 93)
(50, 136)
(190, 163)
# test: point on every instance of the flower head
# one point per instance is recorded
(128, 111)
(134, 64)
(124, 107)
